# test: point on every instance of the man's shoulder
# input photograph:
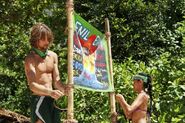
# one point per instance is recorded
(29, 57)
(52, 53)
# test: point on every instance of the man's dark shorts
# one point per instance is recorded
(42, 107)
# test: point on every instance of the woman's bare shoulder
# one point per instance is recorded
(144, 95)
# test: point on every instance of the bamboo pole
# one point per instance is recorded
(111, 94)
(70, 109)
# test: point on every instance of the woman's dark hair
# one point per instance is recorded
(148, 86)
(148, 83)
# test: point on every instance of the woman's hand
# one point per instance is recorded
(119, 98)
(128, 116)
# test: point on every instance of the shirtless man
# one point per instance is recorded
(137, 111)
(41, 68)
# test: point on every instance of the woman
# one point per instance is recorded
(137, 111)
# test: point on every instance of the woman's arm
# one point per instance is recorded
(123, 104)
(129, 109)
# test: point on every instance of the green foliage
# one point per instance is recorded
(87, 106)
(169, 96)
(168, 87)
(146, 36)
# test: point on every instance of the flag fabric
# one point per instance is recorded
(90, 58)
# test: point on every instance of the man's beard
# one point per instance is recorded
(44, 48)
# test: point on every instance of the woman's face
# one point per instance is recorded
(138, 85)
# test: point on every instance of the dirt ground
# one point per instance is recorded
(7, 116)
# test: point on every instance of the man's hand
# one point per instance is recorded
(64, 88)
(56, 94)
(67, 88)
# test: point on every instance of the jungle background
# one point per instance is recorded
(146, 35)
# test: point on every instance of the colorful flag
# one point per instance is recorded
(90, 58)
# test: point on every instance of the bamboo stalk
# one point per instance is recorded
(70, 109)
(111, 94)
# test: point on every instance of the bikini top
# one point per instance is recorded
(138, 109)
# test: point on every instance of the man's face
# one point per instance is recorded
(43, 44)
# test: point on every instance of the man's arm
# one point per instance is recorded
(56, 77)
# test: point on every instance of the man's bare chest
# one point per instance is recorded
(45, 65)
